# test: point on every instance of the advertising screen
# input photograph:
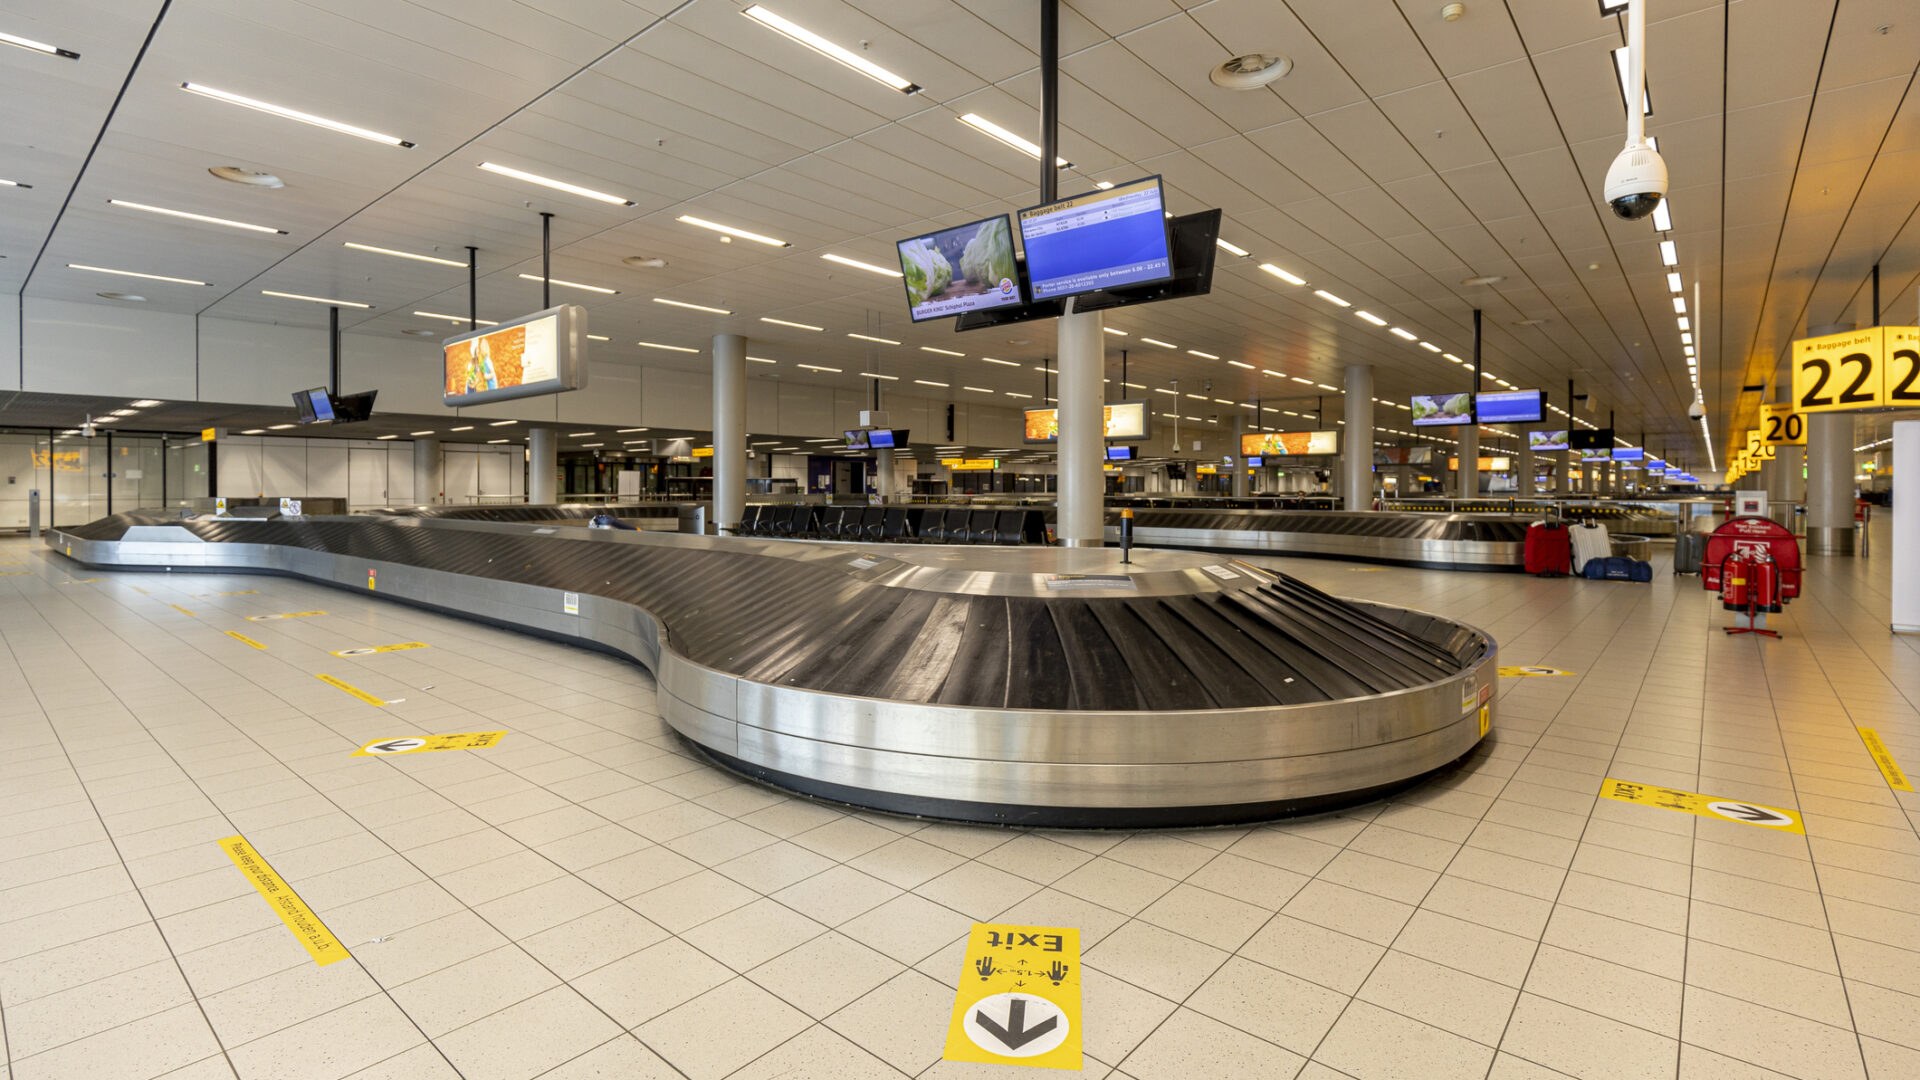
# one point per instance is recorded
(966, 268)
(1125, 420)
(855, 440)
(541, 353)
(1442, 410)
(1596, 454)
(1512, 407)
(1628, 453)
(1419, 455)
(1100, 240)
(1254, 462)
(1547, 440)
(1290, 444)
(1487, 463)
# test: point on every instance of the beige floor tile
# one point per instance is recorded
(427, 948)
(593, 940)
(1189, 1044)
(335, 1044)
(283, 999)
(1128, 1014)
(977, 890)
(1478, 950)
(458, 995)
(627, 876)
(39, 1025)
(1371, 1043)
(907, 928)
(1248, 881)
(1209, 917)
(1441, 996)
(1269, 1004)
(1362, 915)
(823, 975)
(704, 1038)
(642, 985)
(423, 1062)
(1158, 960)
(683, 904)
(836, 894)
(1624, 943)
(620, 1058)
(1585, 1044)
(1698, 1064)
(1313, 953)
(527, 1039)
(1769, 1038)
(820, 1053)
(775, 867)
(1115, 885)
(1617, 992)
(749, 936)
(150, 1046)
(1761, 980)
(52, 970)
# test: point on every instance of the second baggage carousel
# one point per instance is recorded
(1020, 685)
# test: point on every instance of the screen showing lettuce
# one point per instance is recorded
(1436, 410)
(1547, 440)
(966, 268)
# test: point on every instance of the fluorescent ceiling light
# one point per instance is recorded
(455, 318)
(928, 382)
(869, 337)
(604, 291)
(817, 367)
(1164, 390)
(669, 348)
(1002, 363)
(942, 352)
(1429, 346)
(194, 217)
(829, 50)
(1399, 333)
(1232, 249)
(1371, 317)
(598, 337)
(877, 375)
(130, 273)
(126, 412)
(38, 46)
(557, 185)
(143, 403)
(383, 438)
(1680, 305)
(1238, 364)
(404, 254)
(1283, 275)
(315, 299)
(1198, 397)
(1275, 374)
(293, 114)
(1662, 216)
(1103, 185)
(1330, 298)
(1669, 255)
(495, 442)
(684, 304)
(1015, 393)
(703, 223)
(1620, 80)
(1686, 339)
(1684, 323)
(502, 423)
(795, 325)
(1115, 333)
(419, 432)
(1673, 282)
(1298, 379)
(14, 183)
(1689, 350)
(1032, 150)
(1202, 355)
(762, 360)
(977, 389)
(1157, 341)
(858, 265)
(630, 430)
(578, 434)
(468, 427)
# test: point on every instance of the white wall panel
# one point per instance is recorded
(259, 363)
(239, 467)
(495, 478)
(676, 398)
(99, 349)
(283, 467)
(463, 477)
(399, 473)
(9, 342)
(327, 468)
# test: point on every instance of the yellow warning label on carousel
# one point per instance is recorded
(1019, 998)
(307, 928)
(1883, 757)
(1692, 802)
(421, 744)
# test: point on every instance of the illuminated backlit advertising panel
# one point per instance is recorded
(1547, 440)
(541, 353)
(966, 268)
(1487, 464)
(1290, 444)
(1126, 421)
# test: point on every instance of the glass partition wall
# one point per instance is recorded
(80, 479)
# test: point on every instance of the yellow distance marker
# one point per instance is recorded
(1692, 802)
(182, 610)
(1019, 998)
(423, 744)
(1525, 672)
(244, 639)
(372, 649)
(284, 615)
(1883, 757)
(307, 928)
(351, 689)
(238, 592)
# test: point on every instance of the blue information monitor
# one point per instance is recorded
(322, 405)
(1100, 240)
(1629, 453)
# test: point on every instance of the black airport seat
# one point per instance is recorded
(800, 522)
(871, 522)
(833, 522)
(894, 525)
(954, 527)
(1009, 527)
(749, 519)
(980, 525)
(925, 522)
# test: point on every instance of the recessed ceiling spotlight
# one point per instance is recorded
(1484, 279)
(234, 174)
(645, 262)
(417, 332)
(1250, 72)
(127, 296)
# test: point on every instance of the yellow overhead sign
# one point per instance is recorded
(1878, 367)
(971, 464)
(1019, 998)
(207, 434)
(1781, 426)
(703, 451)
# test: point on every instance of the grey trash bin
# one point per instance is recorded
(1688, 547)
(693, 518)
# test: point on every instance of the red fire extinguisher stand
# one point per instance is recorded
(1754, 564)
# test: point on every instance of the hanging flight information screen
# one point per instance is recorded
(1100, 240)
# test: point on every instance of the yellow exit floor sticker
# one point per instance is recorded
(1691, 802)
(1883, 757)
(244, 639)
(1019, 998)
(421, 744)
(284, 615)
(372, 649)
(307, 928)
(351, 689)
(1524, 672)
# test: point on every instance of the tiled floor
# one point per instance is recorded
(587, 900)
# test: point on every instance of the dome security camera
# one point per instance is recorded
(1696, 411)
(1636, 182)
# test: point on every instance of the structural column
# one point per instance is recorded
(542, 464)
(1830, 483)
(1356, 457)
(1469, 455)
(884, 481)
(426, 471)
(1082, 496)
(1783, 475)
(729, 431)
(1525, 486)
(1240, 485)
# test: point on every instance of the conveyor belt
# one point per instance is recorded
(1430, 541)
(950, 681)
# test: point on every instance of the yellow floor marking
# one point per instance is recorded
(244, 639)
(423, 744)
(351, 689)
(284, 615)
(1019, 998)
(240, 592)
(1883, 757)
(1691, 802)
(369, 650)
(1530, 672)
(181, 610)
(16, 573)
(307, 928)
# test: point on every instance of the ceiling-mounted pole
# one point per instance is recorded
(1876, 294)
(1123, 374)
(546, 260)
(333, 349)
(1636, 72)
(1473, 394)
(1049, 99)
(473, 288)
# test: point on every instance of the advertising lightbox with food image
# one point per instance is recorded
(966, 268)
(1433, 410)
(541, 353)
(1290, 444)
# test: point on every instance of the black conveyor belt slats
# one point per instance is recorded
(979, 672)
(929, 654)
(879, 650)
(1330, 642)
(1324, 677)
(1231, 687)
(1376, 643)
(1422, 655)
(1099, 673)
(1165, 683)
(1037, 666)
(1270, 669)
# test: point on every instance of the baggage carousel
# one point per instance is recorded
(1018, 685)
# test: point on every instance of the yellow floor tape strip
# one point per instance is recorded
(1709, 806)
(1883, 757)
(312, 934)
(371, 649)
(285, 615)
(244, 639)
(181, 610)
(1019, 998)
(351, 689)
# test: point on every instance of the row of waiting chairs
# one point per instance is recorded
(932, 524)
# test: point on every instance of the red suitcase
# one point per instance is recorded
(1549, 549)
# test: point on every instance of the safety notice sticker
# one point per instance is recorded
(369, 650)
(420, 744)
(1883, 757)
(307, 928)
(1531, 672)
(284, 615)
(1692, 802)
(1019, 998)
